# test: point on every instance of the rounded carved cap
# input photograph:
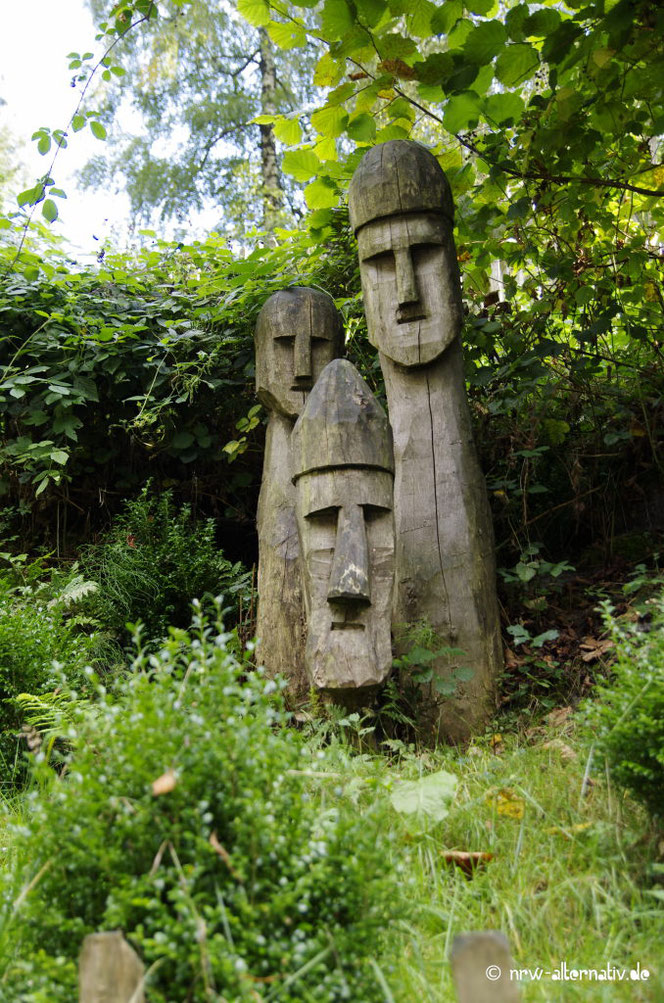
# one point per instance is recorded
(397, 177)
(342, 425)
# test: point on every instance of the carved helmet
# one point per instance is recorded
(342, 425)
(397, 177)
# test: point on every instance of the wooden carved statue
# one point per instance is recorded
(343, 466)
(297, 333)
(402, 212)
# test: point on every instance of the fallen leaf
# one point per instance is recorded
(508, 803)
(427, 798)
(593, 649)
(466, 861)
(570, 830)
(165, 783)
(566, 752)
(496, 743)
(558, 716)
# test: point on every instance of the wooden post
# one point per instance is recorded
(109, 970)
(481, 965)
(401, 209)
(298, 332)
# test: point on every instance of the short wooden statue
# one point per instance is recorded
(298, 332)
(109, 970)
(343, 465)
(401, 209)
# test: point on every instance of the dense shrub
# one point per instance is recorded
(227, 872)
(39, 644)
(154, 561)
(628, 715)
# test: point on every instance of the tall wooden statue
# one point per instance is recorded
(297, 333)
(401, 209)
(343, 466)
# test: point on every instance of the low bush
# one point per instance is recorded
(41, 645)
(154, 561)
(628, 714)
(182, 817)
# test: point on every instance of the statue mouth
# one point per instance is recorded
(346, 625)
(303, 385)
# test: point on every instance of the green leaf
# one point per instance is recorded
(97, 130)
(420, 14)
(330, 121)
(78, 123)
(514, 21)
(370, 12)
(300, 164)
(548, 635)
(328, 71)
(484, 42)
(428, 798)
(516, 63)
(59, 192)
(480, 6)
(499, 108)
(287, 36)
(336, 19)
(362, 128)
(44, 144)
(321, 194)
(395, 46)
(28, 196)
(287, 130)
(541, 24)
(256, 12)
(50, 210)
(182, 440)
(462, 111)
(59, 456)
(446, 17)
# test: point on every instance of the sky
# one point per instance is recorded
(35, 83)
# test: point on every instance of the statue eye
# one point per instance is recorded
(323, 514)
(380, 257)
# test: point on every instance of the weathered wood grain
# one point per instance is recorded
(109, 970)
(481, 965)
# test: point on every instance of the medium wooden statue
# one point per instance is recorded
(401, 210)
(297, 333)
(343, 466)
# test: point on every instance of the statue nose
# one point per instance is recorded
(302, 361)
(349, 578)
(407, 291)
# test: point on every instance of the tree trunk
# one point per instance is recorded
(273, 198)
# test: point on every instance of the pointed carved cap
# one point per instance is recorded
(398, 177)
(342, 425)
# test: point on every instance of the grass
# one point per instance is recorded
(571, 875)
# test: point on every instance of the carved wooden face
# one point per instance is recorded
(411, 286)
(298, 332)
(346, 528)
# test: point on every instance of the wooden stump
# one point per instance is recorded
(109, 970)
(481, 965)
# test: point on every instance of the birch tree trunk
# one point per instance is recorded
(273, 198)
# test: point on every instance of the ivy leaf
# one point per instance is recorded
(97, 130)
(256, 12)
(462, 111)
(182, 440)
(50, 210)
(321, 194)
(516, 63)
(484, 42)
(428, 798)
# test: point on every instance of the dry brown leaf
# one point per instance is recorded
(165, 783)
(591, 652)
(466, 861)
(224, 854)
(497, 746)
(566, 752)
(558, 716)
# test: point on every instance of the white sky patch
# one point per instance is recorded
(35, 83)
